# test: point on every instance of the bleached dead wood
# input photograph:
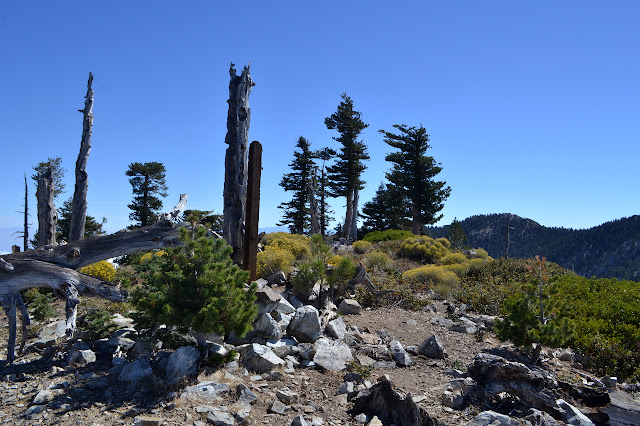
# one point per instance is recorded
(236, 160)
(79, 209)
(47, 216)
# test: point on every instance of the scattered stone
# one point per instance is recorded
(267, 327)
(349, 307)
(34, 409)
(283, 347)
(245, 394)
(610, 382)
(49, 333)
(375, 421)
(82, 357)
(182, 362)
(122, 322)
(361, 418)
(571, 415)
(277, 278)
(205, 391)
(384, 336)
(432, 348)
(399, 355)
(287, 396)
(540, 418)
(284, 307)
(241, 412)
(147, 421)
(623, 409)
(136, 371)
(565, 355)
(220, 418)
(267, 300)
(411, 322)
(305, 325)
(260, 358)
(332, 355)
(278, 407)
(43, 397)
(464, 325)
(299, 421)
(491, 418)
(365, 361)
(336, 328)
(345, 387)
(389, 406)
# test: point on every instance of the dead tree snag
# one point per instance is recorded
(47, 216)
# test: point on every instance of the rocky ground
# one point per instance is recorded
(395, 376)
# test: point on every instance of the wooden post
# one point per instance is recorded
(47, 216)
(235, 161)
(250, 257)
(79, 206)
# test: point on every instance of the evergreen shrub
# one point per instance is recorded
(196, 288)
(423, 247)
(40, 306)
(361, 247)
(308, 274)
(102, 270)
(274, 259)
(388, 235)
(100, 325)
(297, 245)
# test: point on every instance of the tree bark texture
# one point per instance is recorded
(235, 162)
(47, 216)
(354, 215)
(348, 220)
(250, 258)
(313, 203)
(25, 232)
(79, 206)
(415, 222)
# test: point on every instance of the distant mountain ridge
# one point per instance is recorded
(610, 250)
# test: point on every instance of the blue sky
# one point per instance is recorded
(532, 107)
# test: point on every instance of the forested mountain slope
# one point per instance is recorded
(610, 250)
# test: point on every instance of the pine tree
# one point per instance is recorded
(147, 180)
(56, 170)
(413, 175)
(384, 211)
(296, 211)
(197, 288)
(344, 175)
(63, 226)
(456, 235)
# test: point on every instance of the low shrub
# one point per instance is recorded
(481, 253)
(432, 275)
(446, 243)
(388, 235)
(102, 270)
(425, 248)
(308, 274)
(342, 273)
(460, 269)
(274, 259)
(297, 245)
(361, 247)
(40, 306)
(453, 258)
(151, 254)
(100, 325)
(334, 260)
(377, 260)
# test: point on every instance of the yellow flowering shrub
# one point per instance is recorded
(297, 245)
(361, 247)
(431, 275)
(274, 259)
(102, 270)
(423, 247)
(150, 255)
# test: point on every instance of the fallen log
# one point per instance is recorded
(56, 269)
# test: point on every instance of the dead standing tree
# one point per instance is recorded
(55, 268)
(79, 206)
(47, 216)
(235, 162)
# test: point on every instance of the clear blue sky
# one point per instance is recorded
(533, 107)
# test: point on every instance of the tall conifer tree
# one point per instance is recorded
(296, 211)
(386, 210)
(344, 175)
(147, 181)
(413, 174)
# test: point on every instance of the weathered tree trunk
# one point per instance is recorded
(353, 236)
(416, 225)
(323, 212)
(25, 232)
(79, 206)
(348, 220)
(47, 216)
(235, 162)
(250, 258)
(55, 269)
(313, 203)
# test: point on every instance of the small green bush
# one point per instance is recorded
(100, 325)
(274, 259)
(377, 260)
(308, 274)
(388, 235)
(196, 288)
(297, 245)
(423, 247)
(102, 270)
(41, 309)
(361, 247)
(342, 273)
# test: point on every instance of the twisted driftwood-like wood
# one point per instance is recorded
(56, 269)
